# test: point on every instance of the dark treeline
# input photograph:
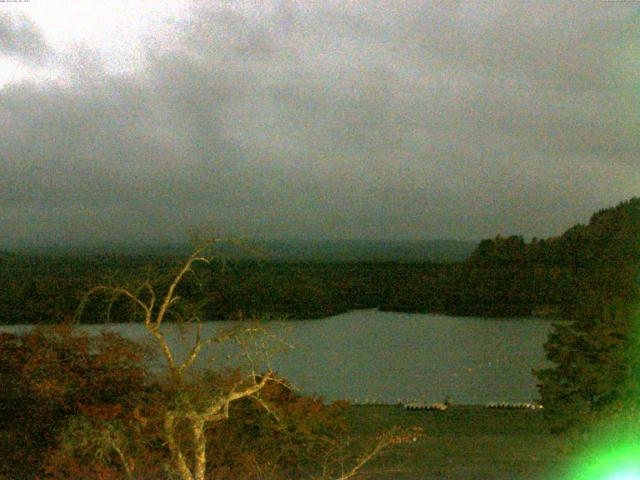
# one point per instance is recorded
(43, 289)
(582, 270)
(585, 267)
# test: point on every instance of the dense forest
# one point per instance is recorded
(584, 268)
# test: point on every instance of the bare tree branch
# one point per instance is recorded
(169, 296)
(213, 412)
(176, 452)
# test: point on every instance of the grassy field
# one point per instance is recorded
(465, 443)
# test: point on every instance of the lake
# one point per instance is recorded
(368, 355)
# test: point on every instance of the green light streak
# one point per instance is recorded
(617, 462)
(628, 475)
(612, 448)
(612, 453)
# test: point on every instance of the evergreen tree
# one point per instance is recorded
(596, 366)
(596, 349)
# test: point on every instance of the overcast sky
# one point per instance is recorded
(137, 120)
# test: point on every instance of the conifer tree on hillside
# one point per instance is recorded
(595, 352)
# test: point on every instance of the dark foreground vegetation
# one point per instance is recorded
(466, 443)
(85, 407)
(80, 407)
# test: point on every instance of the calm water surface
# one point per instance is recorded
(372, 355)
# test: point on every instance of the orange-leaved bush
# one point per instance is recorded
(47, 376)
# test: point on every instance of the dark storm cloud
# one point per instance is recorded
(360, 119)
(19, 37)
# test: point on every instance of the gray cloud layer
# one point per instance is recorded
(20, 37)
(334, 119)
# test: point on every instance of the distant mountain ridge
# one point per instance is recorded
(437, 251)
(317, 251)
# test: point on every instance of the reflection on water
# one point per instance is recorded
(383, 356)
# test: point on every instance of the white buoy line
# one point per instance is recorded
(442, 406)
(507, 405)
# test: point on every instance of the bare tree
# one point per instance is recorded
(189, 456)
(155, 308)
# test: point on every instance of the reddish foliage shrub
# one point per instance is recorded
(252, 443)
(49, 375)
(288, 440)
(75, 406)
